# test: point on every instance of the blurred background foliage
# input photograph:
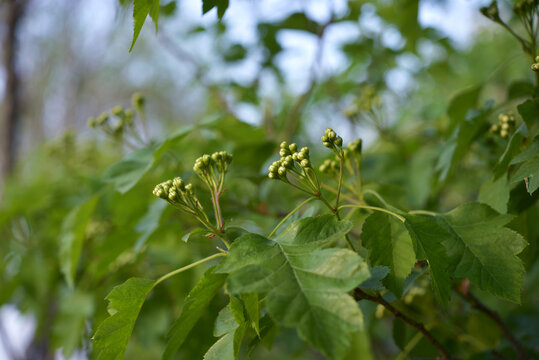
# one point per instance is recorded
(76, 219)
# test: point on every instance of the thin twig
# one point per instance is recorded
(360, 295)
(477, 304)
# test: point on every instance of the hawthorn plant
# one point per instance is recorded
(318, 265)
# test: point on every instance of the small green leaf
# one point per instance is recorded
(72, 237)
(250, 302)
(221, 6)
(149, 222)
(195, 304)
(529, 166)
(461, 103)
(303, 282)
(428, 237)
(125, 301)
(529, 110)
(193, 234)
(511, 150)
(126, 173)
(391, 246)
(230, 326)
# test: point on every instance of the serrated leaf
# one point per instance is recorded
(72, 237)
(195, 304)
(528, 169)
(389, 245)
(125, 301)
(483, 250)
(306, 285)
(428, 237)
(141, 10)
(221, 6)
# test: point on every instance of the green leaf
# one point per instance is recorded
(126, 173)
(391, 246)
(482, 249)
(194, 234)
(460, 139)
(221, 6)
(461, 103)
(306, 285)
(428, 237)
(69, 323)
(529, 166)
(250, 302)
(230, 326)
(125, 301)
(495, 193)
(72, 237)
(511, 150)
(141, 10)
(529, 110)
(195, 304)
(149, 222)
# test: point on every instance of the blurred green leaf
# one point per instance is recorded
(221, 6)
(529, 166)
(141, 10)
(72, 237)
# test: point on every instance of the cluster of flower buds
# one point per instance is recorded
(535, 67)
(506, 122)
(355, 147)
(367, 101)
(491, 11)
(212, 168)
(290, 159)
(525, 7)
(332, 141)
(178, 193)
(330, 167)
(119, 121)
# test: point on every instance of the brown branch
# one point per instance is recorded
(477, 304)
(360, 295)
(15, 12)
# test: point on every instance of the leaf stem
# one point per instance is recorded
(289, 215)
(422, 212)
(375, 208)
(341, 162)
(187, 267)
(360, 295)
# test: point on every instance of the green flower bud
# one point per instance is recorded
(91, 122)
(293, 147)
(172, 195)
(284, 152)
(118, 110)
(295, 156)
(301, 156)
(129, 115)
(332, 135)
(355, 146)
(206, 159)
(284, 145)
(272, 168)
(215, 156)
(102, 119)
(338, 141)
(324, 138)
(504, 133)
(327, 144)
(273, 176)
(178, 183)
(535, 67)
(305, 150)
(305, 163)
(189, 188)
(160, 192)
(328, 130)
(137, 100)
(281, 171)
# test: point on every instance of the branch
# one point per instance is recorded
(360, 295)
(477, 304)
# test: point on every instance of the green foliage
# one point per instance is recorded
(303, 282)
(125, 302)
(528, 170)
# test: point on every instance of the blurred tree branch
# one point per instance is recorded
(14, 14)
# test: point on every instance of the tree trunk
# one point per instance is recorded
(14, 13)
